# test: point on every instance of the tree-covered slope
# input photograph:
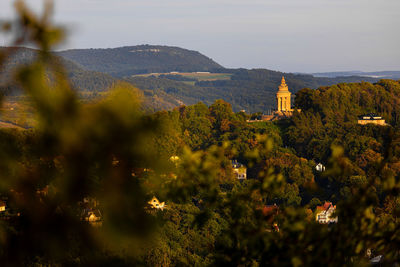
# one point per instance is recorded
(75, 190)
(125, 61)
(81, 79)
(329, 116)
(251, 90)
(87, 83)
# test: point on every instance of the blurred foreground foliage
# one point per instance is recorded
(111, 154)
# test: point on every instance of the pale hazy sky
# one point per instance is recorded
(285, 35)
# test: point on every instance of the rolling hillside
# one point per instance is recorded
(129, 60)
(252, 90)
(81, 79)
(86, 83)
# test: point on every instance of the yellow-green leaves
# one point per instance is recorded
(37, 30)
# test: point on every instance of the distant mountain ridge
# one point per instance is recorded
(86, 83)
(373, 74)
(252, 90)
(140, 59)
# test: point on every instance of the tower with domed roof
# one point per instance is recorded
(283, 98)
(284, 107)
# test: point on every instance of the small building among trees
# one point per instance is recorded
(156, 204)
(92, 216)
(371, 118)
(325, 212)
(320, 167)
(239, 170)
(2, 206)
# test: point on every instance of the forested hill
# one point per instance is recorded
(251, 90)
(128, 60)
(81, 79)
(86, 83)
(329, 117)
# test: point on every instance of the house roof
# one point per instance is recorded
(326, 206)
(97, 212)
(44, 190)
(236, 164)
(155, 203)
(270, 210)
(87, 212)
(283, 87)
(370, 116)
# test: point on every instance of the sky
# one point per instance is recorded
(284, 35)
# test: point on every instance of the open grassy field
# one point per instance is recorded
(17, 111)
(200, 76)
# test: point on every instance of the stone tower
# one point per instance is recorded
(283, 97)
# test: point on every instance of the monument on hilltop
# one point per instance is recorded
(283, 98)
(283, 104)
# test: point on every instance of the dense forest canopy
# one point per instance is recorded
(113, 160)
(329, 115)
(80, 79)
(129, 60)
(251, 90)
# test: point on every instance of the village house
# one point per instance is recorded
(175, 160)
(371, 118)
(324, 213)
(2, 206)
(90, 202)
(320, 167)
(43, 191)
(239, 170)
(92, 216)
(156, 204)
(270, 212)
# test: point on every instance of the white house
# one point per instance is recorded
(320, 167)
(324, 213)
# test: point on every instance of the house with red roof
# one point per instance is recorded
(324, 213)
(270, 212)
